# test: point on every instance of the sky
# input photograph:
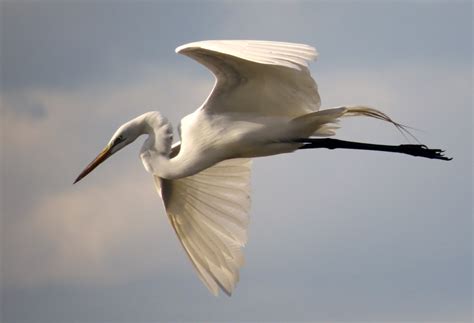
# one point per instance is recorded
(334, 235)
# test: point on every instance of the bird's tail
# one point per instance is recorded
(325, 122)
(357, 111)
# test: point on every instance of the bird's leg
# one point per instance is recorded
(414, 150)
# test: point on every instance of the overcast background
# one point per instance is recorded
(334, 235)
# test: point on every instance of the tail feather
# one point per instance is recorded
(356, 111)
(324, 122)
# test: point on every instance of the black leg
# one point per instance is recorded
(414, 150)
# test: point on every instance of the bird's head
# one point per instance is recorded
(125, 135)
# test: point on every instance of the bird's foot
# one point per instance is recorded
(424, 151)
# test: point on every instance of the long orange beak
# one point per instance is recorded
(104, 154)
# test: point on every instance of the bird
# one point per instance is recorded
(264, 102)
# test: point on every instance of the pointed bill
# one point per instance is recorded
(103, 155)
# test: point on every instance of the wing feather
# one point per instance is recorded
(257, 77)
(209, 213)
(291, 55)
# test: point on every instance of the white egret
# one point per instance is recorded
(264, 102)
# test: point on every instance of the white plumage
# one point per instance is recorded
(209, 212)
(262, 52)
(257, 77)
(264, 102)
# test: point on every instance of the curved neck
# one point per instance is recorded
(156, 153)
(169, 168)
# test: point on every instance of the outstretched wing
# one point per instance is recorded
(257, 77)
(209, 212)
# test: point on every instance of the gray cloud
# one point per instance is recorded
(60, 44)
(334, 235)
(327, 234)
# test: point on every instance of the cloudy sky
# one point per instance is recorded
(334, 235)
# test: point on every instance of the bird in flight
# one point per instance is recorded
(264, 102)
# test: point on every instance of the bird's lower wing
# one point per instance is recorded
(209, 212)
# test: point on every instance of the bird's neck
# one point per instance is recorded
(156, 153)
(170, 168)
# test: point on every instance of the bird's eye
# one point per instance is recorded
(118, 140)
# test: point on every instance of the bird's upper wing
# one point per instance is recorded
(258, 77)
(209, 212)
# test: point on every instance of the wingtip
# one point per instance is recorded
(183, 48)
(178, 49)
